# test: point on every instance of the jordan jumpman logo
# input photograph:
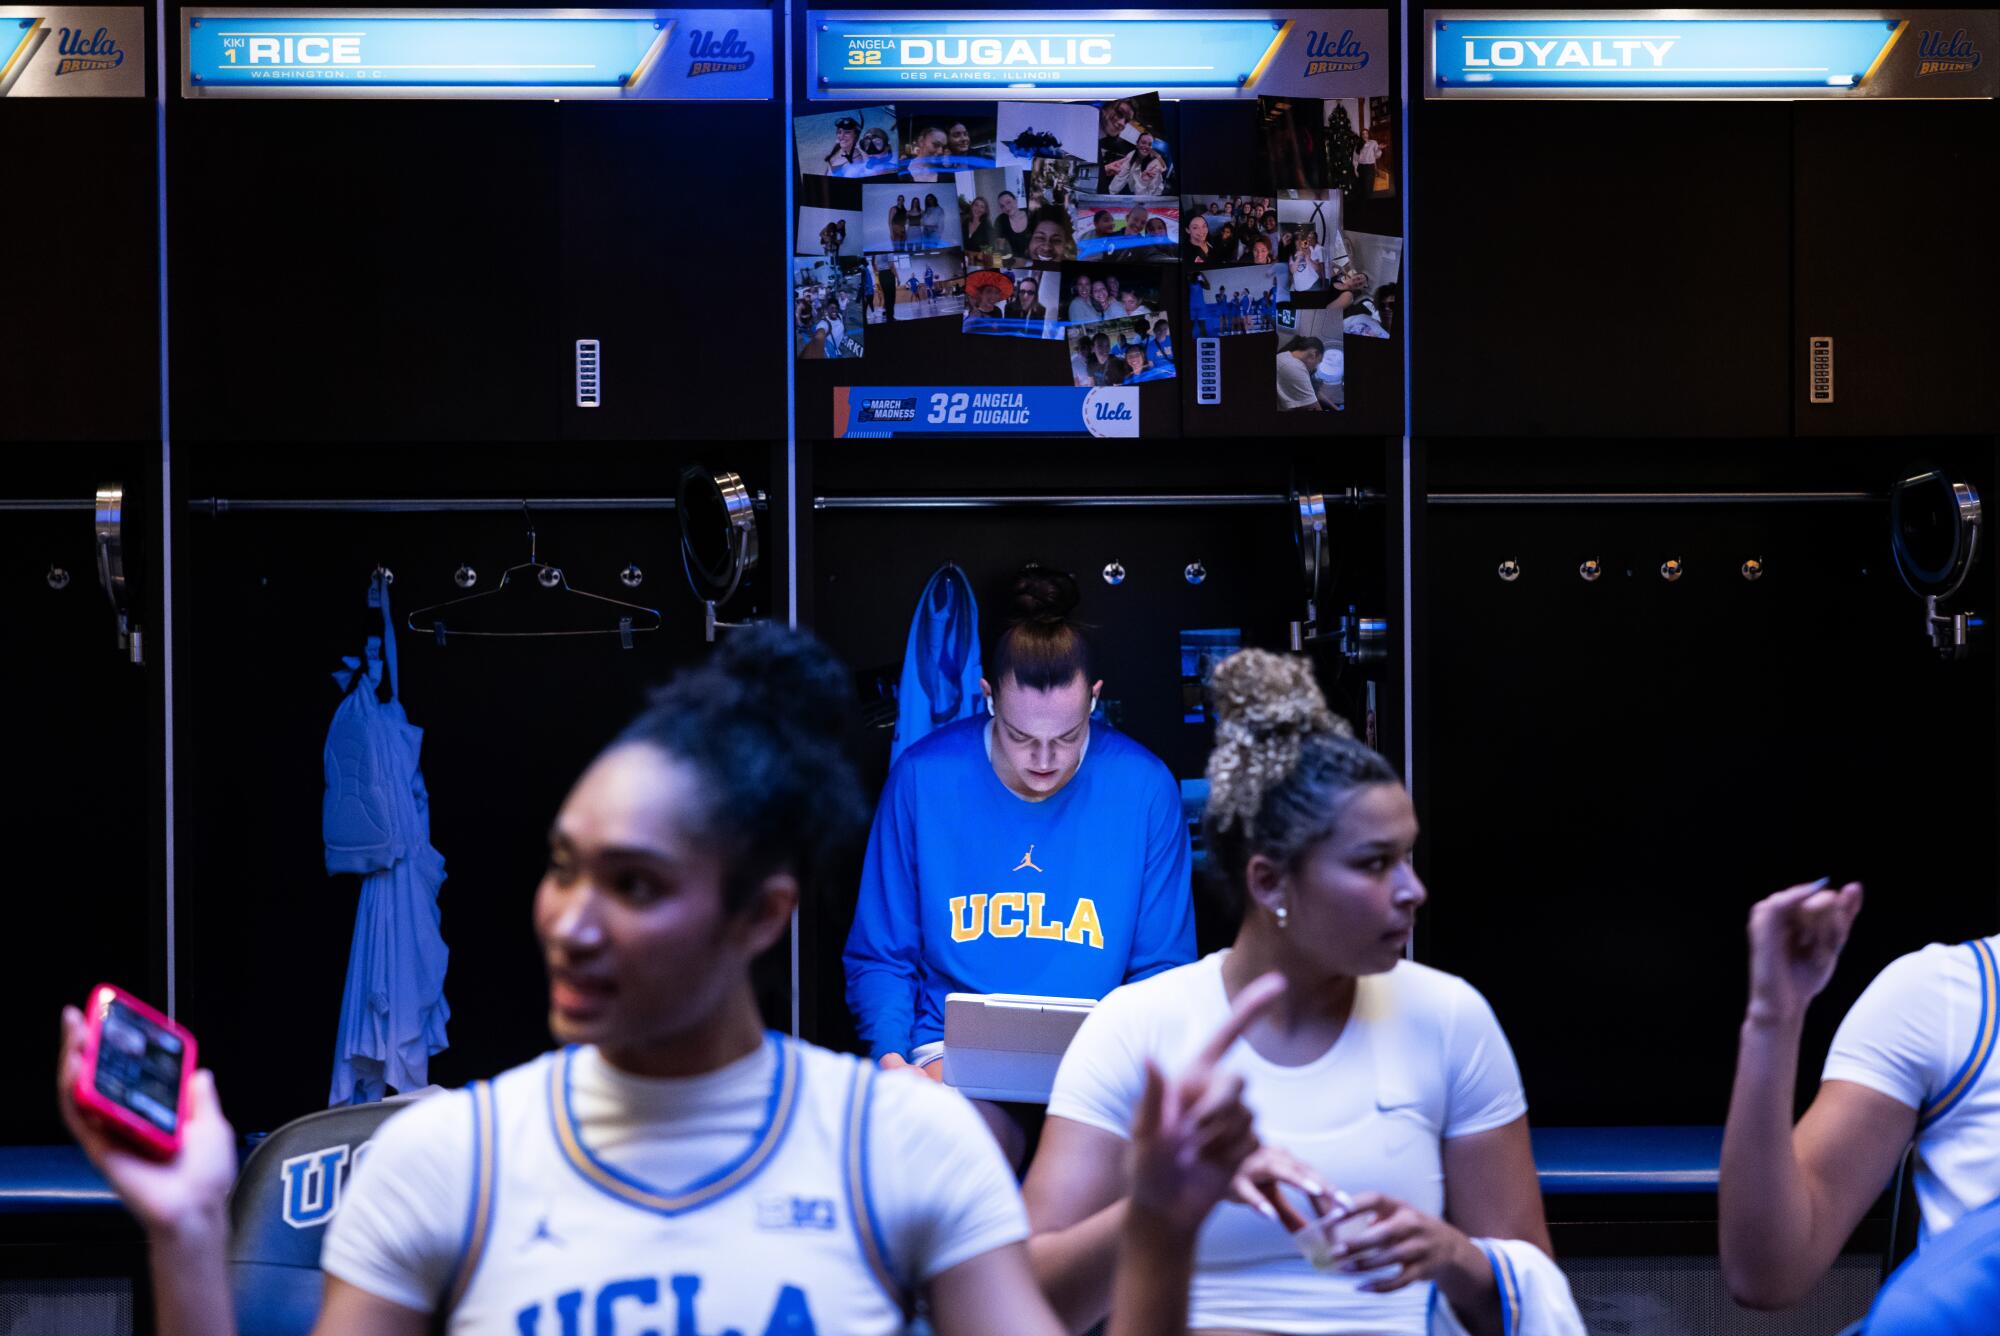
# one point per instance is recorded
(1027, 860)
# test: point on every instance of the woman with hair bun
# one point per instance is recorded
(1032, 851)
(1385, 1093)
(675, 1164)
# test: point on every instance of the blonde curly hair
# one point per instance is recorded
(1283, 765)
(1266, 706)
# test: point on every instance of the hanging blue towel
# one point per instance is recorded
(941, 664)
(375, 820)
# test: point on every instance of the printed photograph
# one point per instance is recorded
(1124, 227)
(856, 143)
(938, 144)
(1221, 230)
(1031, 130)
(1201, 651)
(993, 216)
(1365, 292)
(1364, 128)
(918, 285)
(1126, 351)
(1055, 183)
(828, 232)
(1293, 135)
(1051, 239)
(1132, 149)
(909, 217)
(1310, 362)
(1244, 299)
(1310, 242)
(1011, 302)
(1092, 294)
(829, 306)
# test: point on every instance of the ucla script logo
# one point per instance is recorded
(1327, 54)
(724, 54)
(1939, 54)
(79, 52)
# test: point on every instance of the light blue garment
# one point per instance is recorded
(941, 663)
(375, 819)
(1948, 1287)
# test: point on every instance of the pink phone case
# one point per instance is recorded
(129, 1127)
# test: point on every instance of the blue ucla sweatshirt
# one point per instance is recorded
(969, 888)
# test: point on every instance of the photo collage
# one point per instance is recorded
(1038, 220)
(1070, 223)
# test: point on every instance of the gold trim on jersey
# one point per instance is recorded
(628, 1190)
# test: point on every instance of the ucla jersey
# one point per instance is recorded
(779, 1241)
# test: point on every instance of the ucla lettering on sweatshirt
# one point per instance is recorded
(969, 888)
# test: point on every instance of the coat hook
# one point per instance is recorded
(1114, 572)
(1753, 569)
(1671, 569)
(1591, 569)
(465, 577)
(58, 577)
(1510, 570)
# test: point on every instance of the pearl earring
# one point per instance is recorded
(1282, 914)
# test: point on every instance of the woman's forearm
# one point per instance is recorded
(1154, 1269)
(1075, 1266)
(1467, 1284)
(190, 1271)
(1763, 1202)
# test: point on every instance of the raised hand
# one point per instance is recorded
(189, 1191)
(1795, 941)
(1192, 1133)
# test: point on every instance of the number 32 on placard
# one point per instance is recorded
(864, 57)
(949, 408)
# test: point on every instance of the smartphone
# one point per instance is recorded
(137, 1066)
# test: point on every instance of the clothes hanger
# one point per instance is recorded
(633, 619)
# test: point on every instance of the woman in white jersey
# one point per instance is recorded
(675, 1167)
(1911, 1060)
(1374, 1076)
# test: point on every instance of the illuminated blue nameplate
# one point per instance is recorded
(1692, 54)
(1241, 53)
(865, 411)
(631, 53)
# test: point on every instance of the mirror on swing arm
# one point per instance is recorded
(108, 519)
(1934, 525)
(718, 518)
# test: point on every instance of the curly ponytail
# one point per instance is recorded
(1282, 766)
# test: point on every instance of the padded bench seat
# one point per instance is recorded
(1627, 1159)
(58, 1179)
(52, 1180)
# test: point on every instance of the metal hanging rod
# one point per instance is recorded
(218, 505)
(1081, 501)
(1646, 498)
(46, 503)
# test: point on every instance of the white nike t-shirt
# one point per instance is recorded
(1421, 1059)
(1921, 1033)
(941, 1190)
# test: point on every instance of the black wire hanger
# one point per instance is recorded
(627, 619)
